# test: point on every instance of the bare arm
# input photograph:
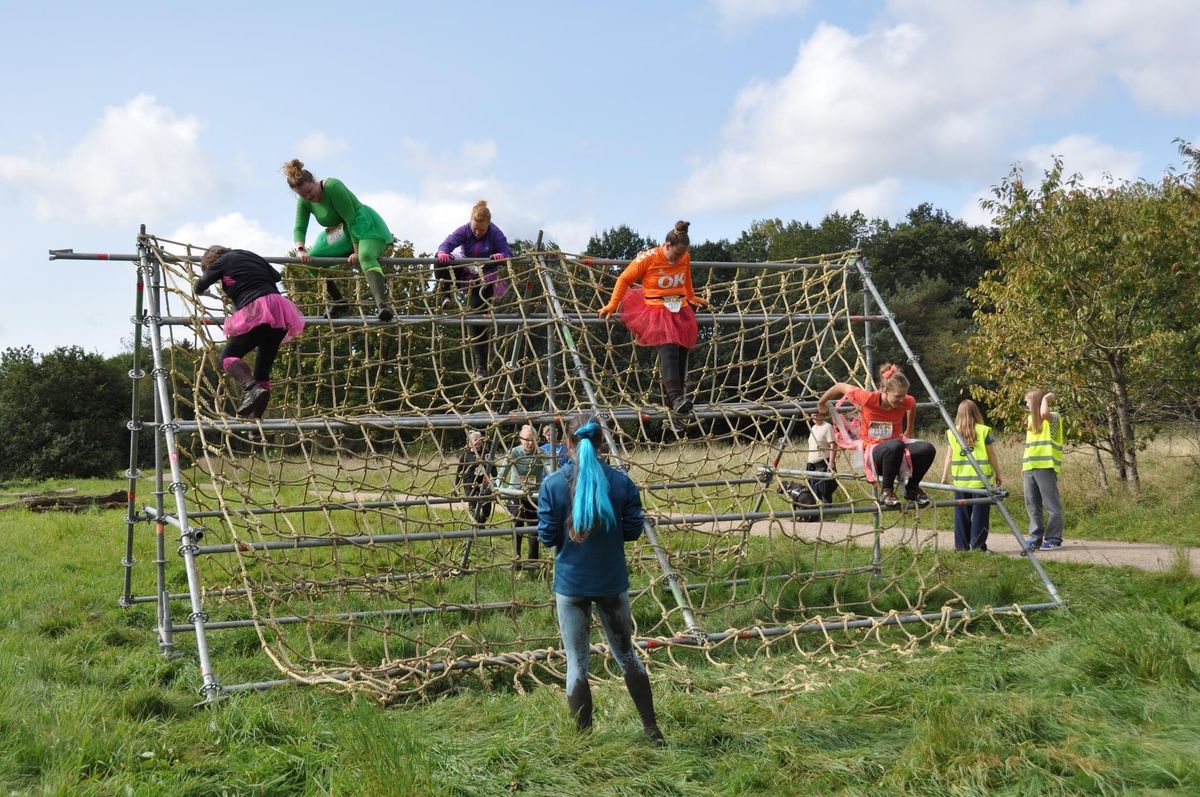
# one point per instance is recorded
(838, 390)
(1044, 409)
(946, 463)
(995, 464)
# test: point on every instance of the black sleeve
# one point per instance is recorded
(207, 279)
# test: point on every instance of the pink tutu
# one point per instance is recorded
(655, 325)
(274, 310)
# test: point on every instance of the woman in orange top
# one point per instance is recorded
(887, 415)
(659, 310)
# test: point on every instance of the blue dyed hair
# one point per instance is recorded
(591, 506)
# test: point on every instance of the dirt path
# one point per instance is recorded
(1144, 556)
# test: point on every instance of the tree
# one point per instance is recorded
(63, 414)
(929, 243)
(618, 243)
(1095, 297)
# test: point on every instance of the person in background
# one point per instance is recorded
(887, 416)
(822, 456)
(970, 520)
(658, 310)
(474, 477)
(587, 511)
(352, 230)
(524, 469)
(559, 453)
(263, 320)
(484, 284)
(1040, 466)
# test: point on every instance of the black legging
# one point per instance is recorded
(673, 363)
(480, 293)
(889, 455)
(266, 339)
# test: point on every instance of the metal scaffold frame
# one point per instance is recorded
(169, 480)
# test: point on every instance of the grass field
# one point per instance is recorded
(1101, 699)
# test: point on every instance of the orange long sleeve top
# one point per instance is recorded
(659, 278)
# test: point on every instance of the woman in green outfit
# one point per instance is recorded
(352, 230)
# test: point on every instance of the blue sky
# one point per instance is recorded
(568, 117)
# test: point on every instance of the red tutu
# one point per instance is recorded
(274, 310)
(655, 325)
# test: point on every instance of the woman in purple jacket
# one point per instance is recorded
(482, 281)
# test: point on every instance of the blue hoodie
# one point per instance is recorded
(596, 567)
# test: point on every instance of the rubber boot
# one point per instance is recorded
(638, 684)
(579, 701)
(378, 285)
(338, 306)
(668, 367)
(254, 392)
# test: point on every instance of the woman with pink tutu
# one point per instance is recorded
(658, 311)
(263, 320)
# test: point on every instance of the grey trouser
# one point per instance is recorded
(1041, 491)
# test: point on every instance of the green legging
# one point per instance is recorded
(369, 250)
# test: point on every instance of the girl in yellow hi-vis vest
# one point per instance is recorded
(1041, 465)
(970, 520)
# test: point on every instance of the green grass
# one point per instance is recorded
(1103, 699)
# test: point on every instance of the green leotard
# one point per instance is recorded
(361, 225)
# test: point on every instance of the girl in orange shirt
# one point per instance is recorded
(888, 414)
(659, 310)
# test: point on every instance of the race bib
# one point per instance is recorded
(673, 303)
(880, 430)
(335, 234)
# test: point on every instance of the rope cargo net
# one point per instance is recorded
(336, 527)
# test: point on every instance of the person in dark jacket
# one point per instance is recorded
(588, 511)
(263, 320)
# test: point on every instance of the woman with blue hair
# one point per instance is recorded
(588, 510)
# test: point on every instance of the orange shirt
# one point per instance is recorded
(659, 278)
(878, 423)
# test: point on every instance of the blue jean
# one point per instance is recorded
(971, 524)
(1041, 491)
(575, 625)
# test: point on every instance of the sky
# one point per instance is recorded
(568, 117)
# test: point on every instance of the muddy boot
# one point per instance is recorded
(338, 306)
(260, 404)
(378, 285)
(254, 392)
(638, 684)
(579, 700)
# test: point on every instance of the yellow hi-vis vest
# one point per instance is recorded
(1044, 449)
(962, 472)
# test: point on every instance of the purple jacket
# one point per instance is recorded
(491, 243)
(471, 246)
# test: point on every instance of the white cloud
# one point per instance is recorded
(736, 15)
(1085, 155)
(1094, 161)
(316, 146)
(235, 231)
(139, 163)
(875, 200)
(451, 182)
(471, 157)
(937, 89)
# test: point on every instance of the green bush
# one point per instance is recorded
(63, 414)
